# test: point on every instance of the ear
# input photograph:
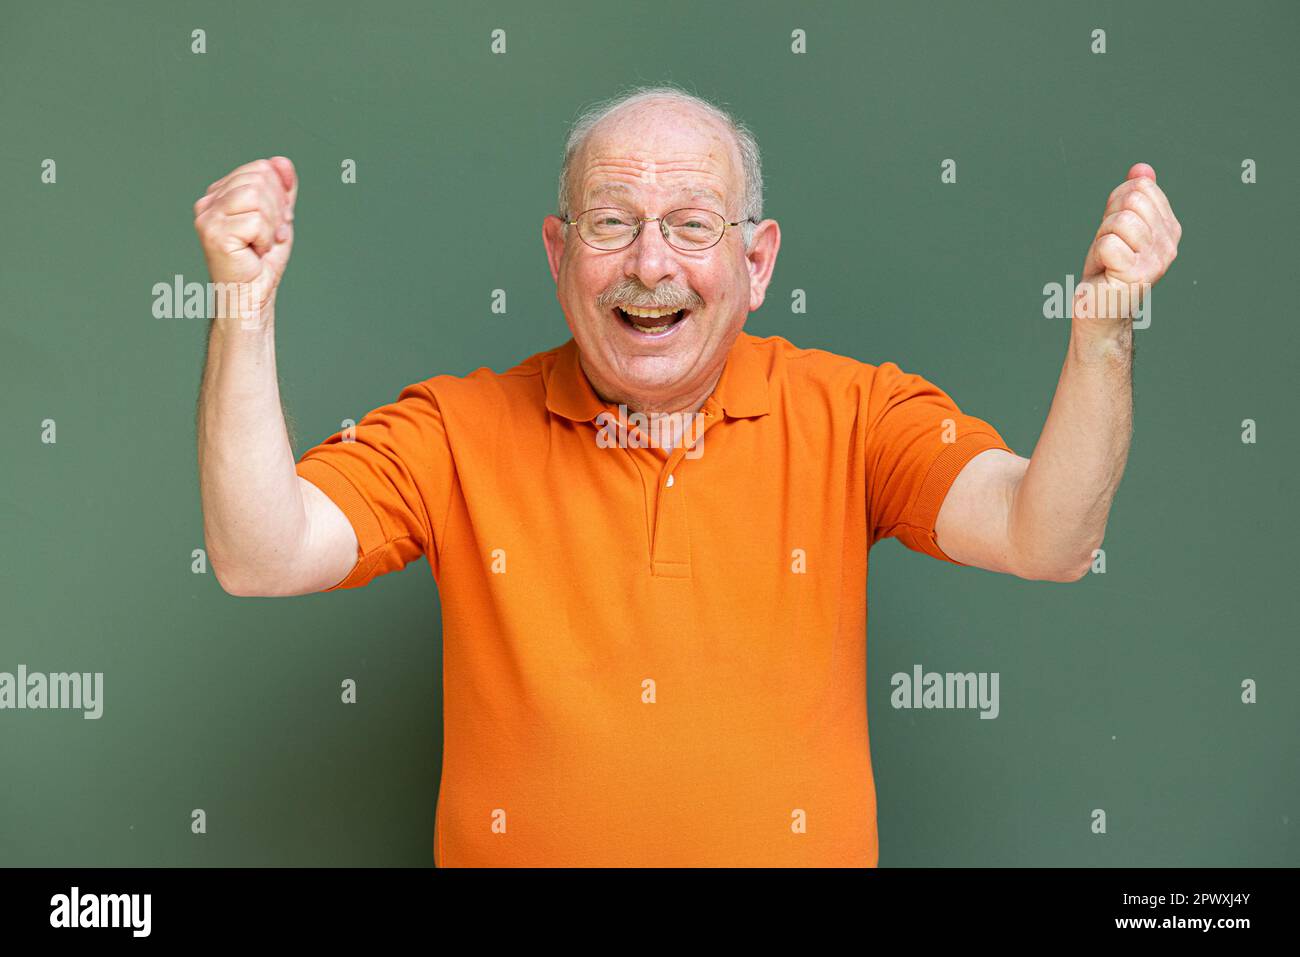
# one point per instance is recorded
(761, 260)
(553, 237)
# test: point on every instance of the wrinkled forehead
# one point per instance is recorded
(659, 153)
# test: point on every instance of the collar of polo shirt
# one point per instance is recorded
(742, 390)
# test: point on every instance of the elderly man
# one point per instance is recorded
(655, 637)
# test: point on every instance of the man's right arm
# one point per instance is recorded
(267, 530)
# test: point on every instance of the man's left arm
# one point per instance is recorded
(1041, 518)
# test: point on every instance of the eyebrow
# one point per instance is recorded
(695, 192)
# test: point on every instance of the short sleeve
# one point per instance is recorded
(917, 441)
(392, 477)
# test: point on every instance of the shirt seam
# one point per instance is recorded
(934, 464)
(366, 559)
(359, 496)
(435, 544)
(926, 529)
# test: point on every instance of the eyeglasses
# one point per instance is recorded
(691, 230)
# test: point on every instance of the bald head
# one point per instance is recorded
(644, 123)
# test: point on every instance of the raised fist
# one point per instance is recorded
(1135, 244)
(245, 225)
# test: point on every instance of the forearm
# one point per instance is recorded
(1062, 502)
(253, 513)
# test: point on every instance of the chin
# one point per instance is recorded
(643, 374)
(644, 365)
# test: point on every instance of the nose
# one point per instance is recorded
(650, 258)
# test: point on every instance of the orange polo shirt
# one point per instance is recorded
(653, 658)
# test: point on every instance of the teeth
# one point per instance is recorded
(646, 312)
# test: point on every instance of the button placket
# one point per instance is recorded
(670, 540)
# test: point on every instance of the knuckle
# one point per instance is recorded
(1134, 200)
(1129, 217)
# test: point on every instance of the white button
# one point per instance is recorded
(670, 482)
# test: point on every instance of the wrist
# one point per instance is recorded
(243, 323)
(241, 304)
(1093, 339)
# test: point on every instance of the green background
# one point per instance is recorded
(1120, 692)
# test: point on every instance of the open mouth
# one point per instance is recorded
(650, 321)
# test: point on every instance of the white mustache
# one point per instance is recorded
(627, 294)
(688, 302)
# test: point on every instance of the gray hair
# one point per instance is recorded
(751, 163)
